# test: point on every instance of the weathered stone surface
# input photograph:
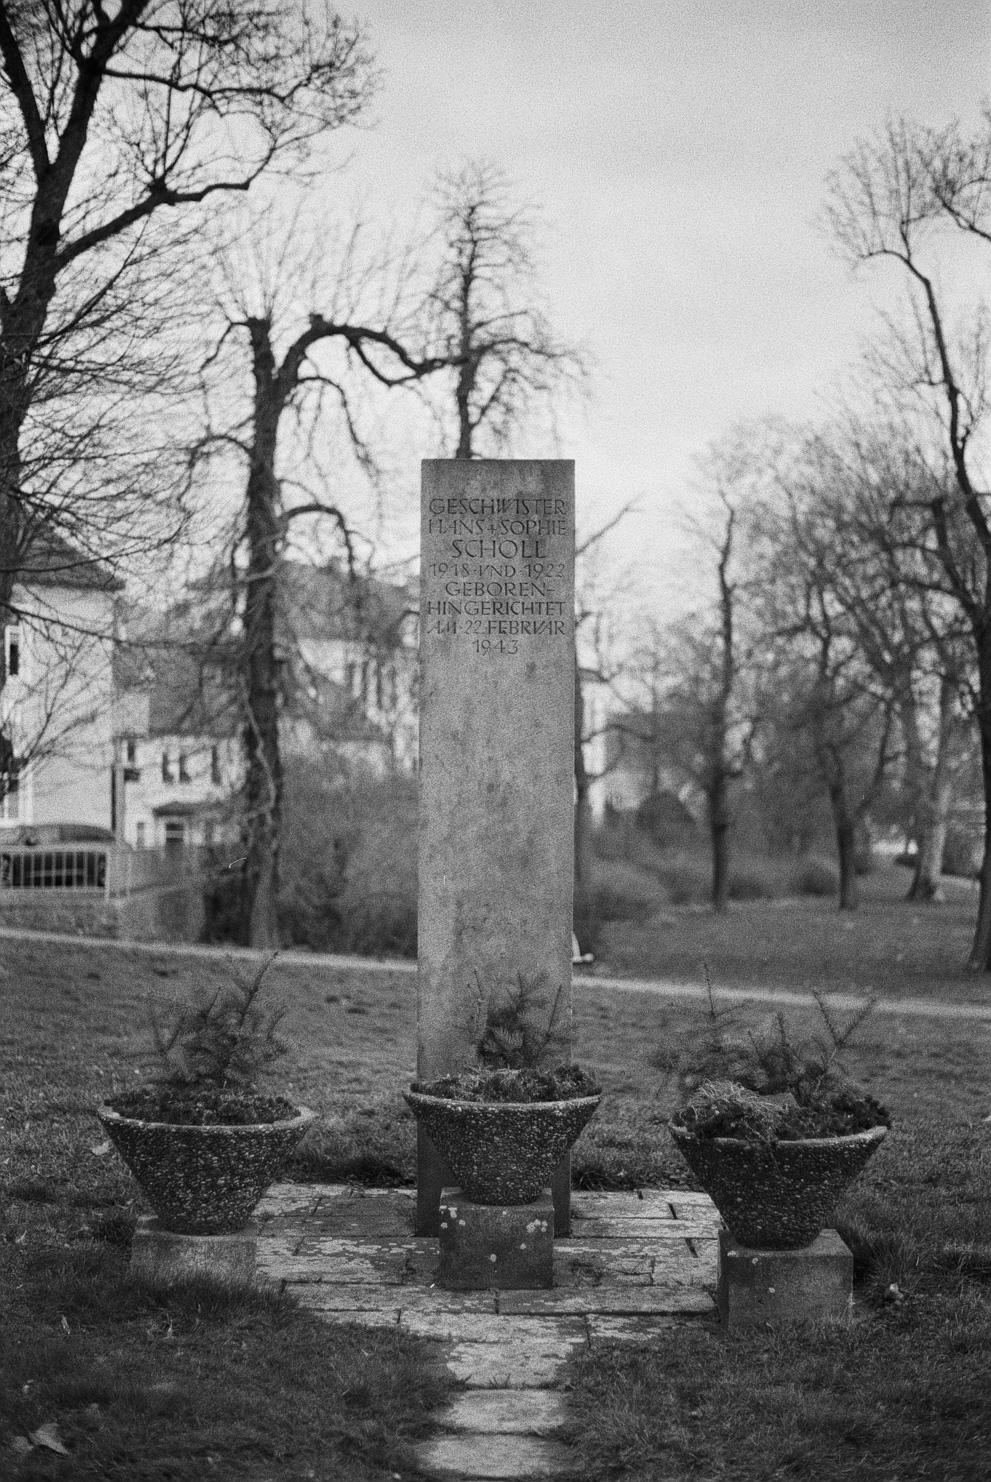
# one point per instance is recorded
(371, 1261)
(650, 1204)
(334, 1296)
(604, 1328)
(621, 1300)
(623, 1227)
(292, 1199)
(686, 1201)
(495, 1456)
(699, 1227)
(510, 1365)
(484, 1246)
(496, 756)
(536, 1412)
(780, 1286)
(163, 1257)
(480, 1325)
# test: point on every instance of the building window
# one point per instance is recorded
(216, 776)
(131, 753)
(10, 794)
(184, 767)
(167, 773)
(12, 651)
(139, 834)
(175, 833)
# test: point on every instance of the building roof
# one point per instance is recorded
(325, 603)
(52, 561)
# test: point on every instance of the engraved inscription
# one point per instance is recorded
(492, 571)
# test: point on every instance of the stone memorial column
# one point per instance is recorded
(496, 844)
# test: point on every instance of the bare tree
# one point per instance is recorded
(300, 360)
(119, 119)
(506, 364)
(893, 199)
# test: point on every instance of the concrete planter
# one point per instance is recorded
(204, 1180)
(502, 1152)
(776, 1195)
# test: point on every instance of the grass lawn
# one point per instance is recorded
(197, 1387)
(887, 946)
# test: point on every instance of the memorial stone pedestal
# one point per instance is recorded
(163, 1257)
(497, 719)
(495, 1246)
(777, 1286)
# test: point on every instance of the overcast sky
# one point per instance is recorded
(678, 152)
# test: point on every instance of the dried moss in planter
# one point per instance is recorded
(725, 1109)
(181, 1107)
(564, 1083)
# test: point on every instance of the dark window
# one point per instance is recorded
(131, 753)
(167, 774)
(13, 651)
(215, 773)
(184, 767)
(175, 833)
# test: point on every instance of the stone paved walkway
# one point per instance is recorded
(634, 1267)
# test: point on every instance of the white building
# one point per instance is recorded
(57, 708)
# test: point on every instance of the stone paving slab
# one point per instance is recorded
(547, 1329)
(510, 1365)
(652, 1203)
(687, 1199)
(492, 1456)
(358, 1297)
(619, 1300)
(656, 1329)
(533, 1412)
(626, 1226)
(634, 1271)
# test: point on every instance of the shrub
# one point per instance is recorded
(753, 880)
(623, 892)
(349, 862)
(666, 821)
(817, 877)
(686, 879)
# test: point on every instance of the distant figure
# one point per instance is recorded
(577, 955)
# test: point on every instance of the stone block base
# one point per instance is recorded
(163, 1257)
(779, 1286)
(494, 1246)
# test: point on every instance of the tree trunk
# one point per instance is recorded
(846, 847)
(719, 827)
(583, 811)
(927, 878)
(260, 676)
(980, 952)
(934, 795)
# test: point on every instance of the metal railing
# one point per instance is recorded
(24, 868)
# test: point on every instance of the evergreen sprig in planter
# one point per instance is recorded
(201, 1140)
(774, 1129)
